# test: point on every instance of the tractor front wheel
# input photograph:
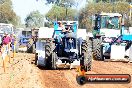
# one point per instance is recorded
(97, 49)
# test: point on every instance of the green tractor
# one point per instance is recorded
(107, 31)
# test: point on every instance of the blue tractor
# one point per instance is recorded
(111, 39)
(67, 48)
(25, 37)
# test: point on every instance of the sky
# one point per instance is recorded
(24, 7)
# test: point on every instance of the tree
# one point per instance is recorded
(59, 13)
(7, 14)
(85, 17)
(2, 1)
(58, 2)
(34, 19)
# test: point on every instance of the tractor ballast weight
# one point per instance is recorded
(64, 48)
(110, 37)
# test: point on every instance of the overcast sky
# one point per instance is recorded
(24, 7)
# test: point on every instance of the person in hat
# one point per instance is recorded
(67, 29)
(6, 44)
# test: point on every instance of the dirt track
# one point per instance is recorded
(22, 73)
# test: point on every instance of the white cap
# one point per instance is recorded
(68, 23)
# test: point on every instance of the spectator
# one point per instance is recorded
(12, 42)
(6, 44)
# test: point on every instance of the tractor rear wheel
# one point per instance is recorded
(97, 49)
(51, 56)
(47, 55)
(87, 54)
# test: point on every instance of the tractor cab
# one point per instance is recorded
(108, 24)
(111, 21)
(113, 37)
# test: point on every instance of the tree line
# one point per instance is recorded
(121, 7)
(61, 11)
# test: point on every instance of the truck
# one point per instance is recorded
(55, 48)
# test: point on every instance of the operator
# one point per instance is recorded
(110, 23)
(67, 29)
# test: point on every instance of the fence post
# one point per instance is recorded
(9, 53)
(14, 52)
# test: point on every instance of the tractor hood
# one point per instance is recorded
(82, 33)
(45, 32)
(110, 32)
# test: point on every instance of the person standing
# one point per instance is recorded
(4, 50)
(9, 46)
(6, 45)
(12, 45)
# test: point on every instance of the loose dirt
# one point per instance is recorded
(22, 73)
